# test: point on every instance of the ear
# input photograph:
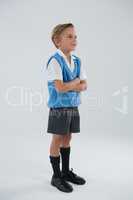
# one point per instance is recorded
(57, 41)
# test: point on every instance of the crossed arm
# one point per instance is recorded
(75, 85)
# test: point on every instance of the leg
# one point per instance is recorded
(54, 154)
(65, 152)
(65, 142)
(55, 145)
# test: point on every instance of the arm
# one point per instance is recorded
(81, 86)
(64, 87)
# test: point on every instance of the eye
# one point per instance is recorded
(70, 36)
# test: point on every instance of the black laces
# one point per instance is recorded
(72, 173)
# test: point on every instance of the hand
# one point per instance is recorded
(76, 80)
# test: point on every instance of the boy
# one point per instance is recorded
(66, 80)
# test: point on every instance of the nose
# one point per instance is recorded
(74, 39)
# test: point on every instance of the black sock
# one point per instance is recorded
(55, 162)
(65, 155)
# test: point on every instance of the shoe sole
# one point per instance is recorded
(75, 183)
(60, 189)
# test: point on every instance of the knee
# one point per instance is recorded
(66, 139)
(57, 139)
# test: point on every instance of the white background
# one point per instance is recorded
(104, 30)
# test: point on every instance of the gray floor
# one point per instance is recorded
(25, 170)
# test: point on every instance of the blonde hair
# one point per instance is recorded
(57, 30)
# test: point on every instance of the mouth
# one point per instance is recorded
(74, 45)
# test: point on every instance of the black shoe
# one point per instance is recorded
(61, 184)
(73, 178)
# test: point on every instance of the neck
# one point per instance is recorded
(67, 54)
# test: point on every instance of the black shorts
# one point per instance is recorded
(63, 120)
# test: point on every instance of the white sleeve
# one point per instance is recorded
(83, 75)
(54, 70)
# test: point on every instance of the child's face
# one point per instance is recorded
(68, 40)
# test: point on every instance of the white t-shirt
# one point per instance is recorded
(54, 72)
